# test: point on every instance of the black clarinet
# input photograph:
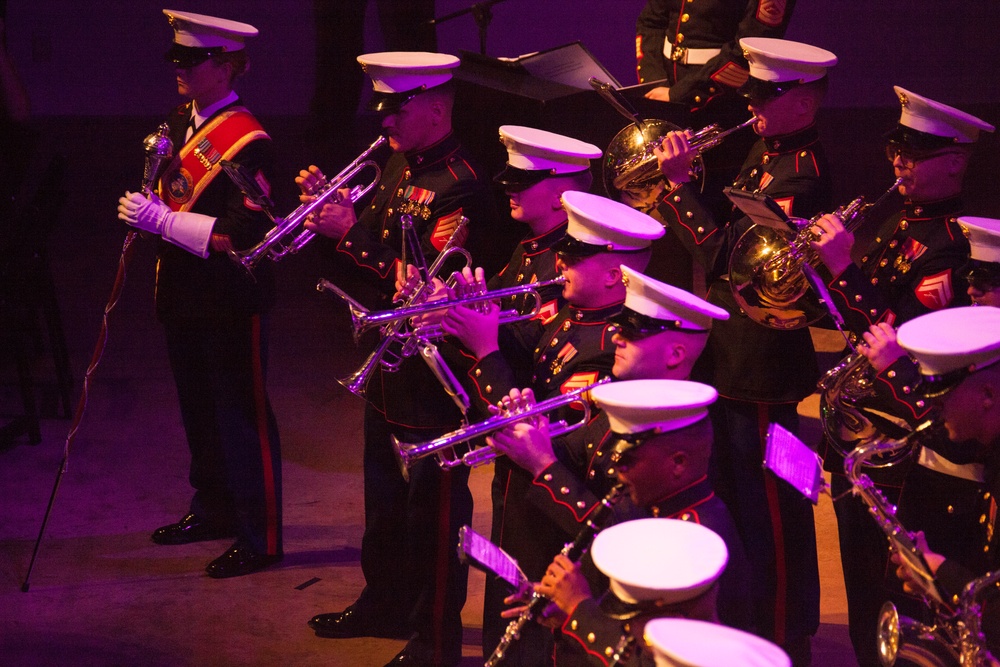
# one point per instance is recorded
(574, 551)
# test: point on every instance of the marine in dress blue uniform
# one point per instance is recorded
(414, 582)
(570, 351)
(762, 373)
(913, 267)
(958, 351)
(214, 315)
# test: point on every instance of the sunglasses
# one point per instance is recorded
(909, 157)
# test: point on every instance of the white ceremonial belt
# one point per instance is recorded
(687, 56)
(933, 461)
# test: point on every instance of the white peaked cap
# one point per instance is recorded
(684, 642)
(954, 338)
(601, 221)
(984, 237)
(634, 406)
(663, 560)
(538, 150)
(201, 31)
(661, 301)
(404, 71)
(781, 60)
(925, 115)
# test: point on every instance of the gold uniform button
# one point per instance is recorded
(904, 225)
(685, 18)
(677, 198)
(766, 159)
(982, 518)
(680, 39)
(591, 474)
(701, 230)
(547, 477)
(951, 509)
(857, 298)
(906, 390)
(385, 234)
(611, 472)
(891, 374)
(399, 192)
(381, 187)
(527, 261)
(567, 324)
(883, 262)
(573, 624)
(553, 342)
(581, 504)
(381, 265)
(591, 637)
(873, 312)
(489, 389)
(479, 371)
(364, 253)
(842, 283)
(804, 154)
(347, 244)
(564, 490)
(893, 243)
(608, 651)
(920, 404)
(689, 214)
(389, 211)
(697, 99)
(874, 282)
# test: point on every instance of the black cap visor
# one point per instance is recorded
(514, 178)
(758, 90)
(983, 276)
(633, 325)
(191, 56)
(571, 247)
(390, 103)
(917, 141)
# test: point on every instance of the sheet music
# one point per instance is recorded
(483, 554)
(791, 460)
(571, 65)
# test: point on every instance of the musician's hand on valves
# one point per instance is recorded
(833, 243)
(476, 330)
(310, 182)
(674, 156)
(525, 443)
(334, 219)
(912, 582)
(881, 347)
(564, 584)
(659, 93)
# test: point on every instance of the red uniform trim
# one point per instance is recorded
(263, 434)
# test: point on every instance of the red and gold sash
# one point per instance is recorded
(221, 138)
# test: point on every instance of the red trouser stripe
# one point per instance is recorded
(780, 570)
(260, 405)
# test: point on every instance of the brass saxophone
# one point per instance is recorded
(954, 639)
(843, 392)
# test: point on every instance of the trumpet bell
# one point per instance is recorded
(766, 278)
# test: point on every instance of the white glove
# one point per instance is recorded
(191, 231)
(145, 214)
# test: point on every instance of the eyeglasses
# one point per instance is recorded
(983, 277)
(908, 157)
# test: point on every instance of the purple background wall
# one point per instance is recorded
(103, 58)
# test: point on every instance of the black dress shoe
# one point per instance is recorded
(239, 560)
(348, 623)
(409, 658)
(191, 528)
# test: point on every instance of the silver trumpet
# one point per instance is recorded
(444, 446)
(392, 333)
(363, 320)
(287, 236)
